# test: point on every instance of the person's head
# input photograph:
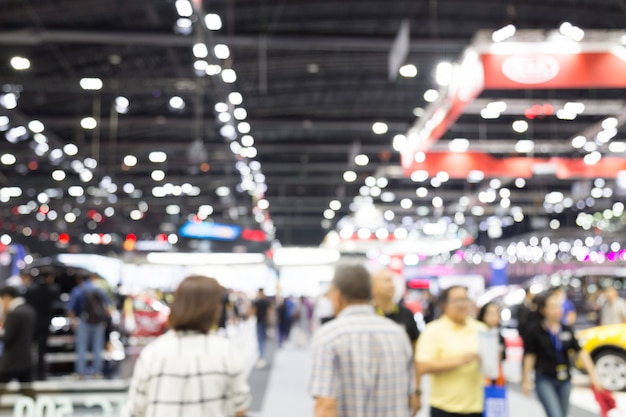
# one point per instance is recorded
(611, 293)
(550, 305)
(383, 287)
(196, 305)
(26, 277)
(490, 315)
(7, 294)
(260, 293)
(456, 303)
(351, 285)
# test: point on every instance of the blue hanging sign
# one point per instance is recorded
(211, 231)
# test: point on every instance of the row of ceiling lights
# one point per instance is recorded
(230, 114)
(121, 105)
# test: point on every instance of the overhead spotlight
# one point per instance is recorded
(36, 126)
(177, 103)
(349, 176)
(592, 158)
(408, 71)
(503, 34)
(229, 76)
(524, 146)
(444, 73)
(200, 50)
(184, 26)
(200, 66)
(617, 147)
(157, 157)
(19, 63)
(361, 160)
(213, 69)
(380, 128)
(520, 126)
(458, 145)
(121, 104)
(235, 98)
(579, 141)
(184, 8)
(399, 142)
(610, 123)
(91, 84)
(489, 113)
(8, 101)
(431, 95)
(213, 21)
(88, 123)
(240, 113)
(573, 32)
(574, 107)
(221, 107)
(221, 51)
(247, 140)
(130, 160)
(70, 149)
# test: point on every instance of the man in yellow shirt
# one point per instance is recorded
(448, 351)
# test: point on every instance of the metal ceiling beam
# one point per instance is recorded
(593, 107)
(158, 39)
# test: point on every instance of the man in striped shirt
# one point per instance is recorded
(362, 363)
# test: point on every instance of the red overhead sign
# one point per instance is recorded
(547, 64)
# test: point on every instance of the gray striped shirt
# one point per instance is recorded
(365, 362)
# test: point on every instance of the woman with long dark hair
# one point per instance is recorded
(546, 351)
(190, 370)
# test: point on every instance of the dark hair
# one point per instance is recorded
(483, 311)
(541, 299)
(445, 294)
(9, 291)
(196, 305)
(353, 282)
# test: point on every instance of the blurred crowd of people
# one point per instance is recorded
(368, 352)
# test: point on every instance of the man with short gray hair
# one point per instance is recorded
(362, 363)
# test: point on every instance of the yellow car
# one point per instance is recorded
(607, 347)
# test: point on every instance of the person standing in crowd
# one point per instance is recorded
(448, 350)
(261, 309)
(524, 314)
(613, 310)
(190, 370)
(383, 292)
(303, 316)
(284, 314)
(17, 337)
(41, 293)
(549, 344)
(490, 315)
(88, 309)
(323, 311)
(568, 308)
(362, 363)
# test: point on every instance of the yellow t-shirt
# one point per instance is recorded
(462, 389)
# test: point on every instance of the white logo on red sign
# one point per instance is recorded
(531, 69)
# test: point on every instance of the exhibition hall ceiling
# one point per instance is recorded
(123, 117)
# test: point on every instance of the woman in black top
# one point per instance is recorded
(547, 350)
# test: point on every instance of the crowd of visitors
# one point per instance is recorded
(368, 354)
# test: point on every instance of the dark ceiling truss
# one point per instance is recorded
(314, 79)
